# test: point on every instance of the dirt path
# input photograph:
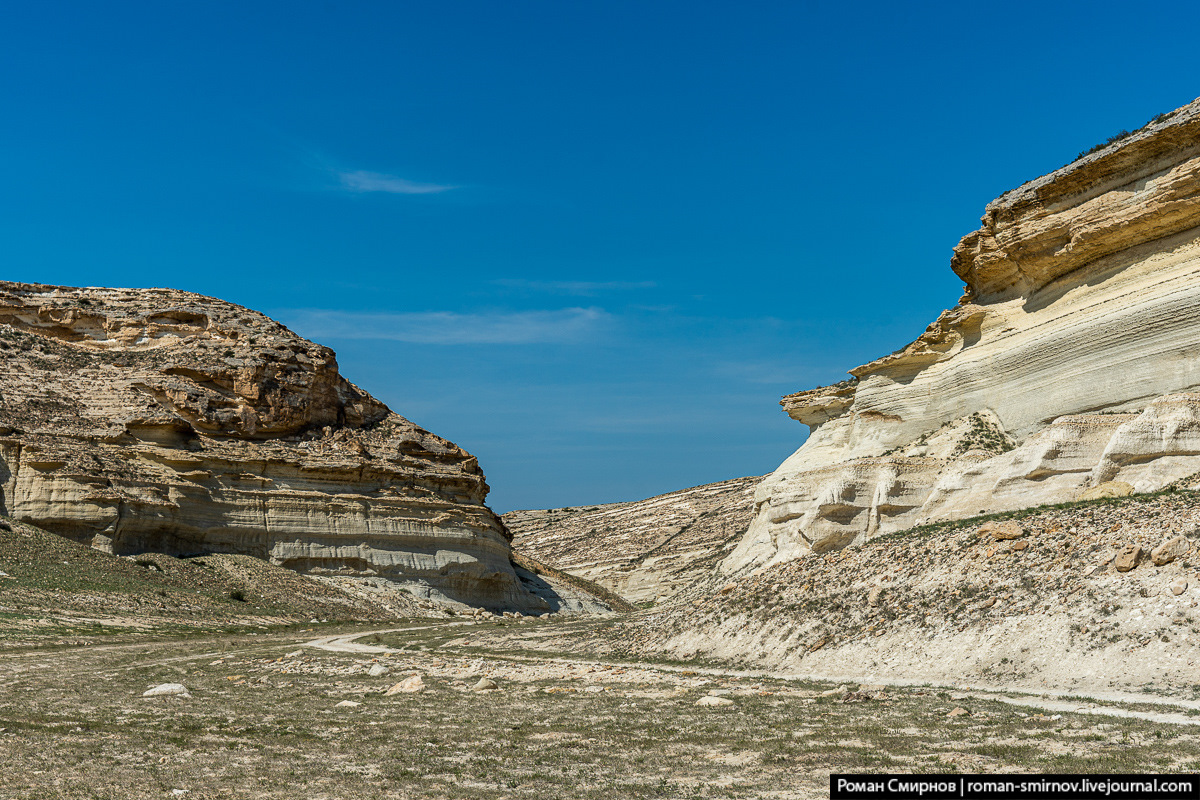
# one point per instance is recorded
(1101, 704)
(1054, 701)
(347, 642)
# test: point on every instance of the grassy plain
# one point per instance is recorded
(264, 720)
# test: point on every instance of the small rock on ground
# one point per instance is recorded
(412, 683)
(1170, 550)
(1128, 558)
(715, 702)
(1000, 531)
(167, 690)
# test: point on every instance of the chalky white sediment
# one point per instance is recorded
(1082, 296)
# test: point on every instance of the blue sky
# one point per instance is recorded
(593, 243)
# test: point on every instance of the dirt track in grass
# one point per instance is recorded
(264, 720)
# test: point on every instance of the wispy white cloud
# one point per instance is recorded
(363, 181)
(577, 288)
(559, 326)
(760, 372)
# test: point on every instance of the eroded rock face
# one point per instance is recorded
(158, 420)
(1069, 362)
(645, 550)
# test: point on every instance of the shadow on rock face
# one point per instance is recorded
(560, 596)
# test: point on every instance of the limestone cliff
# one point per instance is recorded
(647, 550)
(1071, 360)
(158, 420)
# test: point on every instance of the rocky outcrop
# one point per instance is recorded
(158, 420)
(644, 551)
(1070, 361)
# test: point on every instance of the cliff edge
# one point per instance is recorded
(1071, 364)
(141, 420)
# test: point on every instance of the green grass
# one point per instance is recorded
(54, 587)
(72, 724)
(918, 531)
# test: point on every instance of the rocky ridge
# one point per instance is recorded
(141, 420)
(647, 550)
(1069, 362)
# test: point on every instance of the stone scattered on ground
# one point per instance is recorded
(377, 670)
(485, 685)
(714, 702)
(167, 690)
(547, 731)
(409, 685)
(1002, 531)
(1128, 558)
(1171, 549)
(959, 605)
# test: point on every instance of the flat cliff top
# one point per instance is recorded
(1173, 130)
(1136, 189)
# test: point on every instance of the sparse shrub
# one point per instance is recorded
(1124, 134)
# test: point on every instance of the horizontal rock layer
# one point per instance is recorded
(1083, 296)
(158, 420)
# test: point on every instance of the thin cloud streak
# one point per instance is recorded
(578, 288)
(362, 181)
(761, 372)
(561, 326)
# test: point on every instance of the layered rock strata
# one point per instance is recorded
(645, 551)
(159, 420)
(1072, 359)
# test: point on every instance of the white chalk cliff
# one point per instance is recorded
(1071, 360)
(157, 420)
